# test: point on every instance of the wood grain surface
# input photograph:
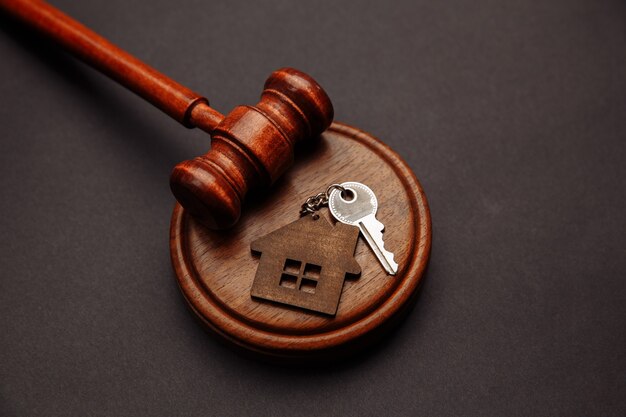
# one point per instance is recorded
(215, 270)
(304, 264)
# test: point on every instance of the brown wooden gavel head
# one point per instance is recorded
(251, 147)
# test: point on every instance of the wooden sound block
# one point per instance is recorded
(215, 269)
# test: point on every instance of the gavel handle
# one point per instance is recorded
(179, 102)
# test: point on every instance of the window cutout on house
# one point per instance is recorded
(292, 267)
(312, 271)
(288, 281)
(308, 285)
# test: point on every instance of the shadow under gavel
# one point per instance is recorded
(251, 147)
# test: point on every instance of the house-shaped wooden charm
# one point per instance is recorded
(305, 263)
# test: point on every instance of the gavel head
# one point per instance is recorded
(251, 147)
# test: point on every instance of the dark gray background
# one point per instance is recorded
(511, 113)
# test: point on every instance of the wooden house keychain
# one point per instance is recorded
(213, 226)
(304, 263)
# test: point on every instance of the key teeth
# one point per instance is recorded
(392, 263)
(381, 225)
(375, 239)
(392, 267)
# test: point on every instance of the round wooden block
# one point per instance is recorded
(215, 269)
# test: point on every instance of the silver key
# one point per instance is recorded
(361, 211)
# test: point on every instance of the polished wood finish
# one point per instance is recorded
(252, 146)
(215, 270)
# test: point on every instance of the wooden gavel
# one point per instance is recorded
(251, 147)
